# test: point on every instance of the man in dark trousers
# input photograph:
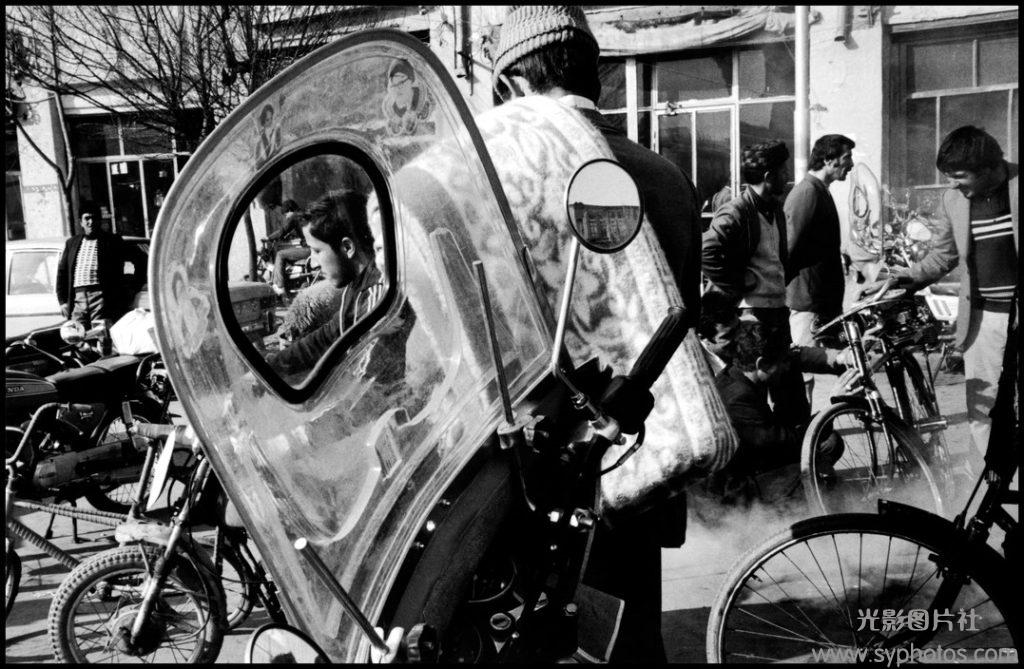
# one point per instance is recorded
(91, 286)
(815, 291)
(745, 256)
(550, 50)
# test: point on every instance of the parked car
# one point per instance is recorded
(32, 299)
(31, 278)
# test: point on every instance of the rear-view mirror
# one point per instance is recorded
(603, 206)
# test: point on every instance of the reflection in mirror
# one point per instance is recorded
(302, 267)
(281, 644)
(604, 206)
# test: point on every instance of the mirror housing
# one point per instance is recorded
(603, 206)
(275, 643)
(605, 212)
(72, 332)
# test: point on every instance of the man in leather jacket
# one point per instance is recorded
(745, 257)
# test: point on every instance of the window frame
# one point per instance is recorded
(336, 352)
(734, 103)
(172, 153)
(901, 40)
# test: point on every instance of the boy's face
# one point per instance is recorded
(972, 183)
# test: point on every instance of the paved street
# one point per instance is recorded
(691, 575)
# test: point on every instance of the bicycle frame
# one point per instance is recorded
(18, 529)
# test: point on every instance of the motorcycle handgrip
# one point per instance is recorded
(659, 349)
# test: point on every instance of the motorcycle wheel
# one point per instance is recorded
(12, 577)
(118, 497)
(94, 608)
(448, 573)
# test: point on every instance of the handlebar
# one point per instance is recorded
(659, 350)
(161, 431)
(628, 399)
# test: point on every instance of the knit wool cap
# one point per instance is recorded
(528, 28)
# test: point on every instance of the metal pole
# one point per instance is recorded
(499, 366)
(801, 115)
(306, 550)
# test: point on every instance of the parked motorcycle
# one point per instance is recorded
(81, 448)
(433, 465)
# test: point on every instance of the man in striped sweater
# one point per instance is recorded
(978, 223)
(90, 286)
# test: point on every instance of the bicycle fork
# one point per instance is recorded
(872, 396)
(161, 569)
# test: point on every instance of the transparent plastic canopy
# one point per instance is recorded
(356, 465)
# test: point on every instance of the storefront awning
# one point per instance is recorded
(631, 32)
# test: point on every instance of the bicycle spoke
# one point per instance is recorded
(782, 637)
(828, 583)
(798, 636)
(790, 599)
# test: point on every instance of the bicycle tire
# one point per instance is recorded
(859, 481)
(12, 577)
(773, 599)
(118, 570)
(239, 587)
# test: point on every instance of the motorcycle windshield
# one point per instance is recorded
(350, 445)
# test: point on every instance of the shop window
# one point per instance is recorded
(767, 71)
(765, 122)
(695, 78)
(145, 136)
(348, 254)
(93, 191)
(94, 136)
(13, 160)
(697, 114)
(612, 73)
(951, 78)
(12, 205)
(125, 165)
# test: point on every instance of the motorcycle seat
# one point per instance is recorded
(103, 380)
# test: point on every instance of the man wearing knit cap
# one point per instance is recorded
(550, 50)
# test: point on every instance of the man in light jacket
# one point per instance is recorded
(978, 224)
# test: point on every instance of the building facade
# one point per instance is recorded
(695, 84)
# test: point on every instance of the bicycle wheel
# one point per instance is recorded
(239, 587)
(868, 469)
(12, 577)
(94, 608)
(847, 588)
